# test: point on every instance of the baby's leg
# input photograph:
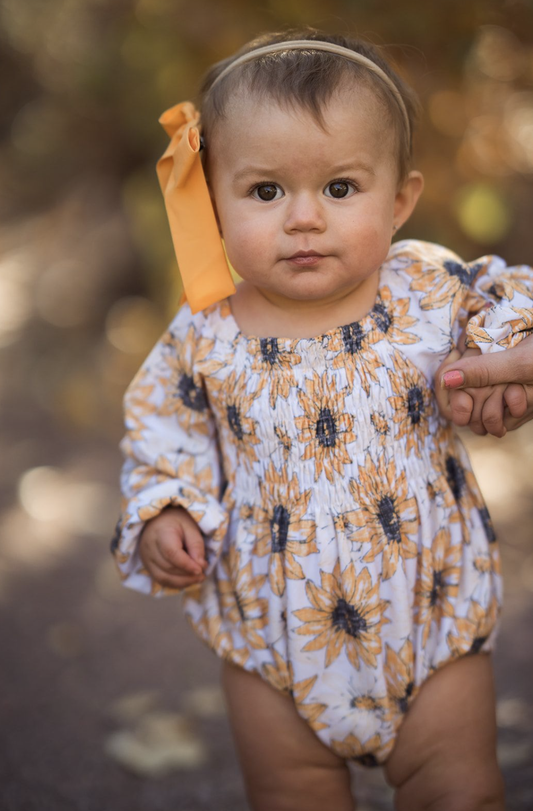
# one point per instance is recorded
(285, 766)
(445, 754)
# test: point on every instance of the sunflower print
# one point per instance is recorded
(239, 598)
(386, 516)
(325, 426)
(280, 528)
(281, 676)
(472, 631)
(391, 320)
(137, 406)
(347, 613)
(275, 365)
(240, 429)
(444, 283)
(412, 404)
(519, 328)
(185, 393)
(400, 678)
(438, 582)
(353, 347)
(381, 426)
(373, 752)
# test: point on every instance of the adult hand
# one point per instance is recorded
(508, 375)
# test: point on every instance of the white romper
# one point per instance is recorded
(350, 551)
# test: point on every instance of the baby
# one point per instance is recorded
(286, 468)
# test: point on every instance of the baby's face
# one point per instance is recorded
(283, 186)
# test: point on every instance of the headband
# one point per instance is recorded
(197, 242)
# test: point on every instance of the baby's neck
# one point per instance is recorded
(263, 316)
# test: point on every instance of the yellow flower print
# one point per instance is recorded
(353, 345)
(239, 598)
(326, 427)
(399, 675)
(240, 429)
(473, 630)
(137, 405)
(347, 612)
(443, 283)
(185, 393)
(275, 365)
(391, 319)
(280, 528)
(365, 753)
(381, 426)
(386, 516)
(412, 403)
(281, 676)
(438, 582)
(520, 327)
(209, 628)
(285, 440)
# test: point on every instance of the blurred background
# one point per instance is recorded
(107, 698)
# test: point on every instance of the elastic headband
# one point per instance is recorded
(319, 45)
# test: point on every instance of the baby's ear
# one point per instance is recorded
(407, 197)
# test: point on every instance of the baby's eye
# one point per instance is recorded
(267, 192)
(340, 188)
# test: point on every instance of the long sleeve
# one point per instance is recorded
(170, 448)
(497, 310)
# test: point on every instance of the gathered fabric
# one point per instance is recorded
(350, 552)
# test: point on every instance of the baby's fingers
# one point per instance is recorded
(461, 407)
(172, 580)
(493, 412)
(170, 546)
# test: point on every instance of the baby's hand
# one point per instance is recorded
(171, 548)
(482, 409)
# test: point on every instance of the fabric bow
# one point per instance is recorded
(199, 250)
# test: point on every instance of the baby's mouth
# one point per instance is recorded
(305, 258)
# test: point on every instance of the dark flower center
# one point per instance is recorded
(487, 524)
(326, 430)
(461, 272)
(366, 760)
(348, 619)
(438, 585)
(381, 317)
(403, 702)
(415, 404)
(455, 476)
(235, 421)
(389, 519)
(193, 396)
(279, 528)
(269, 350)
(353, 337)
(477, 644)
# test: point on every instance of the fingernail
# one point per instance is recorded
(452, 380)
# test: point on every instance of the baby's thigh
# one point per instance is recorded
(445, 752)
(285, 765)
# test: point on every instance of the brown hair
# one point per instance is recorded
(308, 79)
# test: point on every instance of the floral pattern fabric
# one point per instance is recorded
(350, 553)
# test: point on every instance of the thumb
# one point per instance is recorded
(482, 370)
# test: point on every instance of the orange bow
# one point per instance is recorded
(201, 257)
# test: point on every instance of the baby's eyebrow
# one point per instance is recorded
(356, 166)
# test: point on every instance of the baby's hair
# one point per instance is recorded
(308, 79)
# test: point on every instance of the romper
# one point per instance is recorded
(350, 553)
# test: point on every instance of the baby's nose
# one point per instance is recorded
(305, 213)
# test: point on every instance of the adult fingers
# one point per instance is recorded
(510, 366)
(442, 394)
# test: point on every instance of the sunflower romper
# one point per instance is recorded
(350, 553)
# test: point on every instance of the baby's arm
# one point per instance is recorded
(172, 517)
